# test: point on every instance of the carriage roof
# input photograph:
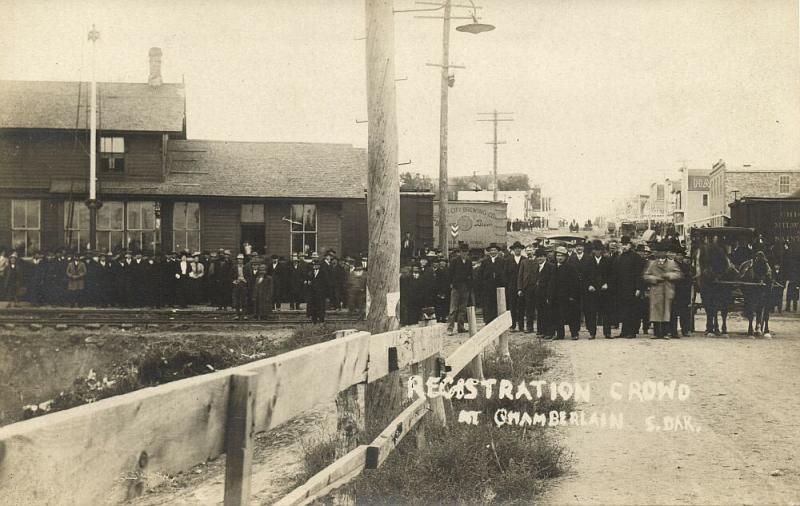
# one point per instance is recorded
(725, 234)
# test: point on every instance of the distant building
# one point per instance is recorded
(727, 184)
(518, 201)
(690, 197)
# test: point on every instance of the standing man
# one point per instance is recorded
(563, 294)
(239, 283)
(595, 286)
(318, 287)
(76, 274)
(681, 304)
(514, 295)
(183, 280)
(661, 274)
(441, 283)
(491, 278)
(460, 286)
(526, 287)
(628, 284)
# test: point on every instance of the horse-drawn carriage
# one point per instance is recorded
(723, 280)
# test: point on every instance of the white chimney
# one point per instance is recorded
(155, 67)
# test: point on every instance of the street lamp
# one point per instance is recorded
(446, 82)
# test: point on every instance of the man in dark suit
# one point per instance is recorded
(563, 294)
(460, 276)
(491, 278)
(595, 272)
(526, 287)
(545, 324)
(441, 290)
(628, 284)
(318, 286)
(515, 300)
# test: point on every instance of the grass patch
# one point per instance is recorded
(466, 464)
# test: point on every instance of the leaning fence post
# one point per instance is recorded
(239, 432)
(501, 308)
(476, 366)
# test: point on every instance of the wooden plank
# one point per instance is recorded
(294, 382)
(379, 450)
(239, 439)
(468, 349)
(118, 447)
(112, 450)
(476, 366)
(413, 345)
(337, 474)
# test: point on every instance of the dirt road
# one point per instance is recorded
(745, 415)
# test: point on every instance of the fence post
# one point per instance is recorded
(239, 432)
(501, 308)
(476, 366)
(350, 424)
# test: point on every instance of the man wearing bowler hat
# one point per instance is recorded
(629, 284)
(563, 294)
(514, 297)
(491, 278)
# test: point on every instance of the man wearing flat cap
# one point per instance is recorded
(516, 300)
(563, 294)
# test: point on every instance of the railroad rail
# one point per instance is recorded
(144, 316)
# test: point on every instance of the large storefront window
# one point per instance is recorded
(141, 226)
(304, 228)
(111, 227)
(186, 226)
(26, 226)
(76, 225)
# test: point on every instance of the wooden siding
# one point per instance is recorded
(277, 237)
(329, 227)
(53, 224)
(32, 159)
(355, 237)
(5, 223)
(219, 225)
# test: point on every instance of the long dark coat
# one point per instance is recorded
(262, 296)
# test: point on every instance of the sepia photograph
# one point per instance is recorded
(399, 252)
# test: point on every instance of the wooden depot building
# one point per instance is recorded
(159, 190)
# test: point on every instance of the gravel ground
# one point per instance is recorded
(743, 405)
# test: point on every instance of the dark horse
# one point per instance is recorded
(758, 295)
(715, 266)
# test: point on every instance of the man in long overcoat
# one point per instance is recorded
(661, 274)
(491, 278)
(515, 301)
(563, 294)
(629, 285)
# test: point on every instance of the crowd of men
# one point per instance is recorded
(250, 284)
(599, 286)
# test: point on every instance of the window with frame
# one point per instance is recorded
(304, 228)
(783, 184)
(705, 200)
(141, 226)
(26, 226)
(76, 225)
(111, 226)
(112, 154)
(186, 226)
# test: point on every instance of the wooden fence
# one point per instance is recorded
(112, 450)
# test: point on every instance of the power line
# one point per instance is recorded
(495, 119)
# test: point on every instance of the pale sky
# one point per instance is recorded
(609, 95)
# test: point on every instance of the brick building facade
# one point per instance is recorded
(729, 183)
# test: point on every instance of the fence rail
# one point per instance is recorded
(114, 449)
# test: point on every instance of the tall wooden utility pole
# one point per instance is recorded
(495, 142)
(92, 202)
(383, 182)
(445, 84)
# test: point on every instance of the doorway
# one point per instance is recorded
(254, 234)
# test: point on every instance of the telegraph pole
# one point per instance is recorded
(92, 203)
(383, 182)
(495, 119)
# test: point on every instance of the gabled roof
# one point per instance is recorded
(265, 169)
(64, 105)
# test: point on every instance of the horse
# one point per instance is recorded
(715, 266)
(758, 295)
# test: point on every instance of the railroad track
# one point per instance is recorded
(144, 317)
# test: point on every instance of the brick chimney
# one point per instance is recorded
(155, 67)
